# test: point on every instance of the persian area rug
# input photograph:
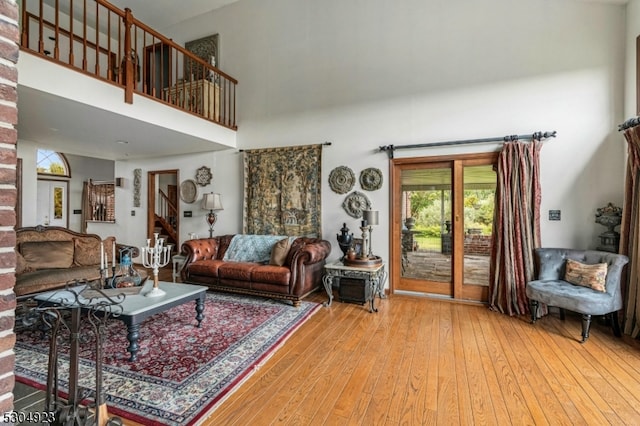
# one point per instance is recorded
(182, 372)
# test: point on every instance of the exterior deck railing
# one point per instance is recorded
(98, 39)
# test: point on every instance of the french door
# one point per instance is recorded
(442, 224)
(52, 203)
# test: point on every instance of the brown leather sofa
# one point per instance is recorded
(300, 273)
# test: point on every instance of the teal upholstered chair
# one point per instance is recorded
(552, 289)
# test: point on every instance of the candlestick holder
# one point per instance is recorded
(155, 257)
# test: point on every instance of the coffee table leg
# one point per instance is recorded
(199, 309)
(133, 335)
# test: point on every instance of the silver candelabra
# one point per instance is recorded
(155, 257)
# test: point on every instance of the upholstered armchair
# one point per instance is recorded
(582, 281)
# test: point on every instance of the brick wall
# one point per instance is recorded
(9, 38)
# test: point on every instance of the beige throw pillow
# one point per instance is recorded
(279, 252)
(592, 276)
(86, 251)
(48, 254)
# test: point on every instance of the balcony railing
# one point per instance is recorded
(98, 39)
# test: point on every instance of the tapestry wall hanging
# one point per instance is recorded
(205, 48)
(282, 191)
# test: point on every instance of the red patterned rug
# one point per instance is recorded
(182, 372)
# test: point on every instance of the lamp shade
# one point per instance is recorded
(212, 201)
(371, 216)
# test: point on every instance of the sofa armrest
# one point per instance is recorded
(200, 249)
(313, 251)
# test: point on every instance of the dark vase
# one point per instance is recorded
(345, 239)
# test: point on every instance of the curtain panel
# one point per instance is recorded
(282, 191)
(629, 233)
(516, 226)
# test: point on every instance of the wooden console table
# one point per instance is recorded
(199, 96)
(355, 284)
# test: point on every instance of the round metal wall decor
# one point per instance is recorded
(355, 203)
(341, 179)
(371, 179)
(203, 176)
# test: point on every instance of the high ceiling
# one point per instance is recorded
(160, 14)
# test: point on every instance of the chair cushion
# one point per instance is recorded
(592, 276)
(572, 297)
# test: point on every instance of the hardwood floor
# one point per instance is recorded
(423, 361)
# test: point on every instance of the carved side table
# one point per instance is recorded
(355, 284)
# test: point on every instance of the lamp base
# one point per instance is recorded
(155, 292)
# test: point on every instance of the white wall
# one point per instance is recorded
(133, 229)
(82, 169)
(633, 31)
(365, 74)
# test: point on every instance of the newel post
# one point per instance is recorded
(129, 54)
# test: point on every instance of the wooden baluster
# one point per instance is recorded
(128, 71)
(84, 36)
(56, 45)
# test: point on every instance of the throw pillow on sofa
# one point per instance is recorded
(251, 248)
(48, 254)
(86, 251)
(279, 252)
(592, 276)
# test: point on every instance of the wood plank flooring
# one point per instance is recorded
(423, 361)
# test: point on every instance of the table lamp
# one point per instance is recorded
(370, 217)
(213, 203)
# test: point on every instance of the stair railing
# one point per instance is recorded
(112, 45)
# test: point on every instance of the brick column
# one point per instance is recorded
(9, 39)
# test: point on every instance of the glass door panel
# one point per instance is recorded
(478, 205)
(443, 224)
(426, 244)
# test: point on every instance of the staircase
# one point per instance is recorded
(165, 219)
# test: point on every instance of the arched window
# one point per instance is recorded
(52, 163)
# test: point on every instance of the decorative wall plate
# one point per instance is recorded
(355, 203)
(342, 179)
(203, 176)
(371, 179)
(189, 191)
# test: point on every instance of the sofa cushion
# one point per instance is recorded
(279, 252)
(251, 248)
(271, 274)
(49, 279)
(208, 267)
(86, 251)
(48, 254)
(240, 271)
(592, 276)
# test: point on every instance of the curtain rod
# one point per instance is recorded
(632, 122)
(324, 144)
(510, 138)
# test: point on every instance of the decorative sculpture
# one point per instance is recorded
(609, 216)
(345, 239)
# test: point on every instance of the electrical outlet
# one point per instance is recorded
(133, 212)
(554, 214)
